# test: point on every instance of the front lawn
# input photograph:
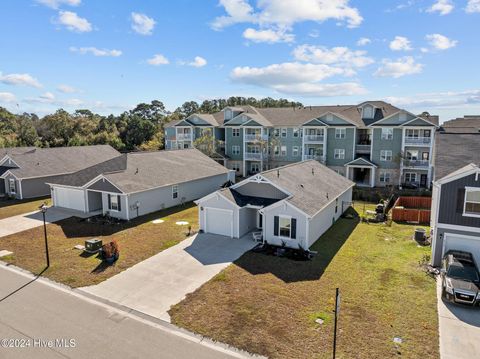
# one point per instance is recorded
(138, 240)
(268, 305)
(14, 207)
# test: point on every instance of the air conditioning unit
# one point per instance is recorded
(93, 245)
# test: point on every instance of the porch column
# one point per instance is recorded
(347, 174)
(372, 179)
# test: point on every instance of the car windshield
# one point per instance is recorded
(461, 272)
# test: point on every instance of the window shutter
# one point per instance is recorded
(109, 202)
(119, 204)
(275, 225)
(293, 233)
(460, 200)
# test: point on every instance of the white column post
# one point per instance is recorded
(243, 153)
(325, 148)
(303, 143)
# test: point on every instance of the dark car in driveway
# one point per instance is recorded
(460, 278)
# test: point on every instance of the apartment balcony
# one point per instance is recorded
(416, 164)
(363, 149)
(184, 137)
(255, 137)
(418, 141)
(313, 138)
(251, 156)
(318, 158)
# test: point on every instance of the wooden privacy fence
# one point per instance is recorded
(412, 209)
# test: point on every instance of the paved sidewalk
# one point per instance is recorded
(154, 285)
(459, 329)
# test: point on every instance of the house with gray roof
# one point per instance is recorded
(25, 171)
(292, 205)
(374, 143)
(138, 183)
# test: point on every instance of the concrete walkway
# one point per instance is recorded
(459, 329)
(154, 285)
(23, 222)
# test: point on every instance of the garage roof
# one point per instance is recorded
(141, 171)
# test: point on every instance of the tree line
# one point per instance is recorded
(139, 129)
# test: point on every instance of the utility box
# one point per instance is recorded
(93, 245)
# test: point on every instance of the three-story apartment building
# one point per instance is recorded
(374, 143)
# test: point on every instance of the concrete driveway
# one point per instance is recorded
(22, 222)
(154, 285)
(459, 329)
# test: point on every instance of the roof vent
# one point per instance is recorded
(326, 194)
(313, 172)
(136, 171)
(301, 185)
(278, 173)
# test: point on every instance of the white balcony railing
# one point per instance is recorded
(184, 137)
(417, 140)
(314, 138)
(314, 157)
(416, 163)
(251, 156)
(363, 148)
(255, 137)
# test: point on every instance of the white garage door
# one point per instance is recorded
(463, 243)
(69, 198)
(219, 221)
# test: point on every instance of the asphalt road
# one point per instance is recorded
(39, 312)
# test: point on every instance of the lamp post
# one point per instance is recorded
(43, 209)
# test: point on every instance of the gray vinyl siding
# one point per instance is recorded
(219, 202)
(169, 136)
(289, 142)
(232, 141)
(394, 145)
(437, 248)
(122, 214)
(346, 143)
(448, 203)
(268, 230)
(247, 220)
(104, 186)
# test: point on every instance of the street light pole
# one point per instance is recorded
(43, 208)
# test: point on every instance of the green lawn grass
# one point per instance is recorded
(268, 305)
(10, 208)
(138, 240)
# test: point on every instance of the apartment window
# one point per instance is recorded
(12, 186)
(385, 155)
(235, 166)
(472, 201)
(412, 155)
(175, 191)
(285, 227)
(284, 132)
(236, 132)
(427, 133)
(368, 112)
(339, 154)
(425, 156)
(410, 177)
(114, 203)
(387, 133)
(255, 167)
(296, 132)
(283, 151)
(186, 145)
(236, 150)
(340, 133)
(411, 133)
(295, 151)
(385, 177)
(276, 151)
(276, 132)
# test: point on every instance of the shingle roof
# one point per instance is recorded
(42, 162)
(141, 171)
(311, 185)
(14, 150)
(453, 151)
(467, 124)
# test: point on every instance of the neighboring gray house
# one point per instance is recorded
(138, 183)
(455, 220)
(294, 204)
(24, 171)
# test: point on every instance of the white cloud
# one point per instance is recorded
(269, 35)
(398, 68)
(66, 88)
(443, 7)
(7, 97)
(198, 61)
(363, 41)
(297, 78)
(20, 79)
(400, 43)
(55, 4)
(73, 22)
(284, 14)
(96, 52)
(440, 42)
(142, 24)
(473, 6)
(445, 99)
(158, 59)
(342, 56)
(50, 99)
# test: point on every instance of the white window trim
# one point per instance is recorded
(235, 150)
(295, 151)
(290, 231)
(235, 132)
(410, 174)
(10, 181)
(384, 155)
(283, 151)
(118, 199)
(387, 133)
(340, 152)
(174, 191)
(384, 175)
(296, 132)
(284, 132)
(465, 213)
(340, 133)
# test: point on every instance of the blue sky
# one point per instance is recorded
(110, 55)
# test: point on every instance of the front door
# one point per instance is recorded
(260, 221)
(423, 180)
